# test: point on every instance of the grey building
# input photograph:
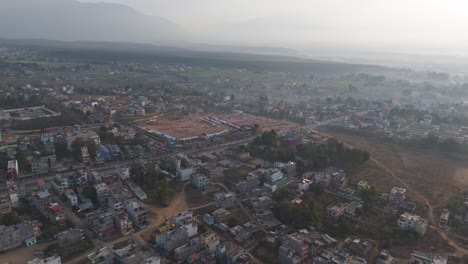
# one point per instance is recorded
(70, 237)
(172, 240)
(250, 183)
(287, 255)
(182, 253)
(15, 235)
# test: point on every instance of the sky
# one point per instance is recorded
(421, 26)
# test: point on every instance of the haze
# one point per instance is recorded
(423, 26)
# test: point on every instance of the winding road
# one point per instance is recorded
(430, 214)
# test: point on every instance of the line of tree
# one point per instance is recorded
(332, 153)
(153, 182)
(298, 216)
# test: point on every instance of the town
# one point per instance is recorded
(132, 162)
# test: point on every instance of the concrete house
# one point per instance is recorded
(247, 185)
(172, 240)
(123, 172)
(56, 213)
(16, 235)
(179, 218)
(396, 196)
(183, 174)
(335, 211)
(211, 170)
(137, 213)
(49, 260)
(423, 258)
(71, 197)
(220, 215)
(210, 240)
(444, 217)
(411, 222)
(225, 200)
(60, 183)
(183, 252)
(200, 181)
(42, 200)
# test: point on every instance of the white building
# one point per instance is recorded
(123, 172)
(411, 222)
(184, 174)
(270, 175)
(396, 196)
(191, 226)
(137, 213)
(151, 260)
(179, 218)
(424, 258)
(304, 185)
(49, 260)
(71, 197)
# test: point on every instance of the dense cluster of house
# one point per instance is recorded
(127, 251)
(180, 238)
(425, 120)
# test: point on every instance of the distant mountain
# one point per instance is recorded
(71, 20)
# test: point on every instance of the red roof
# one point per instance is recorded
(41, 183)
(56, 207)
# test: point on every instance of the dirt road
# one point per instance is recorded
(430, 214)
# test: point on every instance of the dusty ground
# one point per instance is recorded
(189, 126)
(20, 255)
(430, 177)
(435, 175)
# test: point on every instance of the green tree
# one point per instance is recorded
(369, 195)
(76, 147)
(90, 193)
(9, 219)
(92, 148)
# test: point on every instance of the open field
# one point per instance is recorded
(196, 125)
(435, 175)
(184, 127)
(431, 178)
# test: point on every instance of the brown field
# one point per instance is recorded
(265, 124)
(191, 126)
(184, 127)
(431, 178)
(435, 175)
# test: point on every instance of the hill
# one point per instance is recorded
(71, 20)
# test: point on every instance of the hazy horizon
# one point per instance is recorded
(424, 27)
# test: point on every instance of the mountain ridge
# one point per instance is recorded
(77, 21)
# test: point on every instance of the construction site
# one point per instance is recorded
(184, 128)
(193, 126)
